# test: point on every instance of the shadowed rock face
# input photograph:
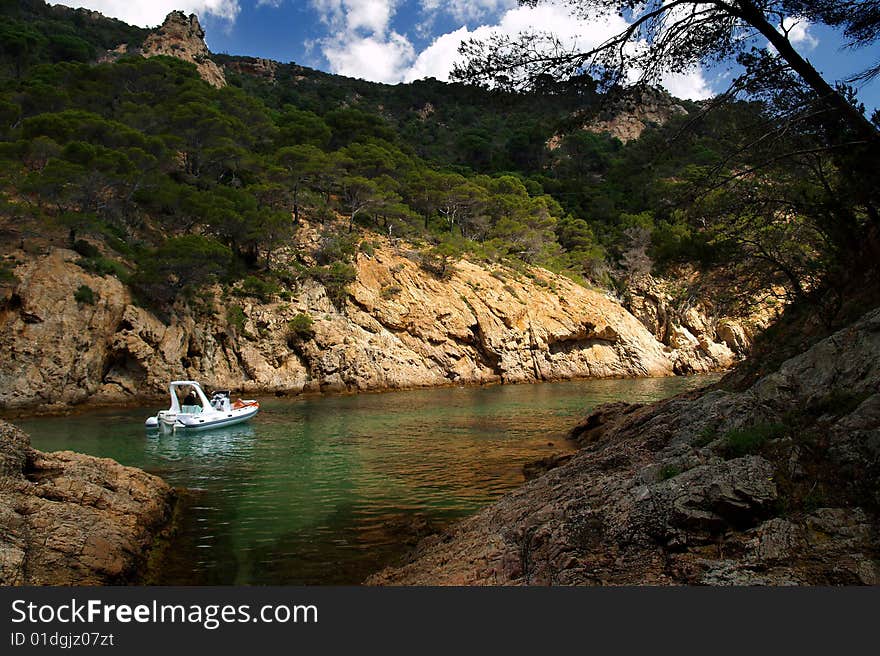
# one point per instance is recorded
(660, 495)
(70, 519)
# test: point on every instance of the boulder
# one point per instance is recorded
(70, 519)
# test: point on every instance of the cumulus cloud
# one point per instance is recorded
(378, 59)
(349, 16)
(149, 13)
(799, 32)
(439, 57)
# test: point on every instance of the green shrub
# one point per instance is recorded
(705, 437)
(7, 277)
(367, 248)
(837, 403)
(259, 288)
(391, 291)
(236, 319)
(86, 249)
(301, 327)
(338, 248)
(85, 295)
(745, 441)
(440, 259)
(669, 471)
(103, 266)
(335, 279)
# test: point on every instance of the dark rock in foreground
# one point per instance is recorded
(71, 519)
(777, 485)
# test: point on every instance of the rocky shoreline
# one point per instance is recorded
(71, 519)
(774, 485)
(399, 328)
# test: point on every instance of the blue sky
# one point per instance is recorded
(402, 40)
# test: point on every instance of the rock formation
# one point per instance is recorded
(776, 485)
(183, 37)
(400, 327)
(697, 333)
(627, 116)
(70, 519)
(255, 67)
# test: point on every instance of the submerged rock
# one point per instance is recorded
(776, 485)
(71, 519)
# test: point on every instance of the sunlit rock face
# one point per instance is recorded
(399, 326)
(182, 36)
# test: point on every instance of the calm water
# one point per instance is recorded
(327, 490)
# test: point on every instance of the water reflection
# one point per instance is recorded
(231, 441)
(326, 490)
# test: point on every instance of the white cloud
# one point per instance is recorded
(438, 58)
(370, 58)
(149, 13)
(362, 44)
(371, 16)
(467, 10)
(692, 85)
(799, 33)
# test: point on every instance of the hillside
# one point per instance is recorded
(269, 227)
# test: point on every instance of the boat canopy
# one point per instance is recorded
(175, 402)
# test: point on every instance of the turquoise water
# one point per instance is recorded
(326, 490)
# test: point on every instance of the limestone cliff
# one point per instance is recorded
(775, 485)
(626, 116)
(400, 327)
(182, 36)
(69, 519)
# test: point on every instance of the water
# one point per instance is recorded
(327, 490)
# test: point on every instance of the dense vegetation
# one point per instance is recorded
(183, 184)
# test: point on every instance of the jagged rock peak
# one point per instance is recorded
(178, 18)
(182, 36)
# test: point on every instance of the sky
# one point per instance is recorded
(403, 40)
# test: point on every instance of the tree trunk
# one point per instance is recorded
(854, 118)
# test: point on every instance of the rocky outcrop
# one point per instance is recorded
(400, 327)
(254, 66)
(182, 36)
(698, 334)
(776, 485)
(628, 115)
(70, 519)
(632, 113)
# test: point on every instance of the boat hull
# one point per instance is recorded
(197, 412)
(202, 422)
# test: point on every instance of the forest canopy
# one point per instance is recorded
(188, 185)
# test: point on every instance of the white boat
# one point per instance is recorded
(197, 412)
